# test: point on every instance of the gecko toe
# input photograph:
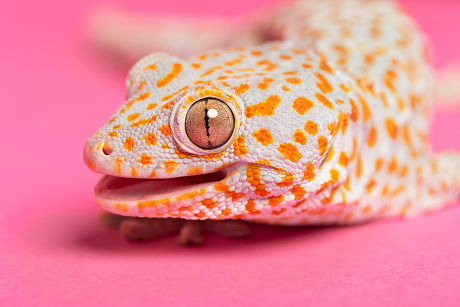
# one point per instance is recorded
(229, 228)
(143, 229)
(191, 233)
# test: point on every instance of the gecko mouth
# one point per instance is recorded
(112, 188)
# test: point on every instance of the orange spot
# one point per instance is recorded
(144, 121)
(239, 148)
(333, 128)
(265, 83)
(365, 106)
(121, 207)
(372, 137)
(293, 80)
(141, 85)
(302, 105)
(359, 167)
(270, 65)
(309, 172)
(370, 185)
(222, 187)
(343, 122)
(236, 61)
(298, 191)
(389, 80)
(250, 207)
(299, 137)
(287, 179)
(326, 102)
(209, 203)
(132, 117)
(285, 88)
(130, 103)
(393, 165)
(285, 57)
(290, 152)
(343, 159)
(324, 66)
(240, 89)
(378, 164)
(330, 154)
(311, 127)
(335, 174)
(175, 71)
(133, 172)
(322, 144)
(112, 134)
(354, 111)
(129, 144)
(153, 203)
(265, 108)
(392, 129)
(165, 130)
(256, 52)
(145, 159)
(190, 195)
(150, 67)
(275, 200)
(323, 84)
(167, 97)
(117, 166)
(210, 71)
(253, 177)
(194, 170)
(263, 136)
(152, 106)
(344, 87)
(195, 65)
(170, 166)
(150, 139)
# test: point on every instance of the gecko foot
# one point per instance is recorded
(189, 232)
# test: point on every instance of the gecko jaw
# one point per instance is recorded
(111, 189)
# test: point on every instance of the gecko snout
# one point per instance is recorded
(97, 153)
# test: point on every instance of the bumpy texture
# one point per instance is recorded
(331, 124)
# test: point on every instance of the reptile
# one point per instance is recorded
(325, 121)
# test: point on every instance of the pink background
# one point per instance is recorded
(54, 251)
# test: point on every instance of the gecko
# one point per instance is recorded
(324, 122)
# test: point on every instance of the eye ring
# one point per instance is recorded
(188, 121)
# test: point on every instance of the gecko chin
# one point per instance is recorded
(112, 189)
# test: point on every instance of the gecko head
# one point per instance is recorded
(192, 143)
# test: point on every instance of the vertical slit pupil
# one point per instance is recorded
(206, 122)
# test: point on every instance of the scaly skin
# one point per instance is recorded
(331, 124)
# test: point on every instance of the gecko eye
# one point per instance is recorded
(209, 123)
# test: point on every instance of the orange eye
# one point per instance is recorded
(209, 123)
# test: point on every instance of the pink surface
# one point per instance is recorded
(53, 251)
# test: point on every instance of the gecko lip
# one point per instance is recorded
(111, 188)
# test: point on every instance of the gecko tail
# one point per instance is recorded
(448, 86)
(128, 36)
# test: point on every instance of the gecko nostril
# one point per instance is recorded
(106, 150)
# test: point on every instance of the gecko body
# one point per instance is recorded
(326, 126)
